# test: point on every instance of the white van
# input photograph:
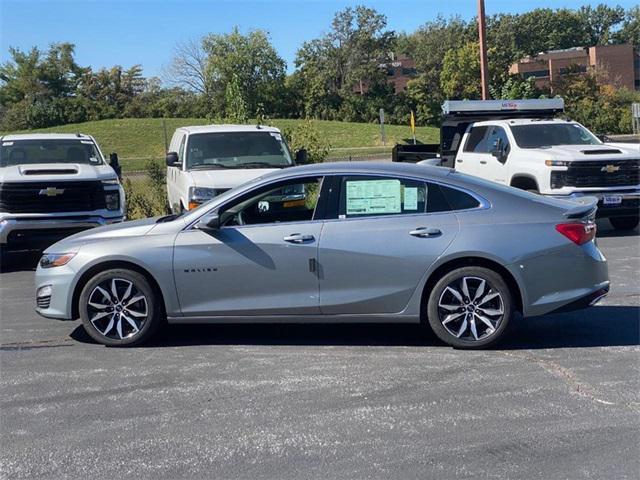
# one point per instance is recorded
(205, 161)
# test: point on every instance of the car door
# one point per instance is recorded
(374, 254)
(473, 152)
(261, 261)
(497, 154)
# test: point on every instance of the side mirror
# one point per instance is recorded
(302, 156)
(172, 159)
(211, 221)
(497, 150)
(115, 164)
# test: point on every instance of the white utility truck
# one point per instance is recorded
(205, 161)
(523, 144)
(54, 185)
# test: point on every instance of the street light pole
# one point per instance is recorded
(484, 78)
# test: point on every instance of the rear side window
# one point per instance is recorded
(362, 196)
(475, 142)
(459, 200)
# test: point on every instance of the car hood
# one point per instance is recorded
(133, 228)
(51, 172)
(588, 152)
(221, 178)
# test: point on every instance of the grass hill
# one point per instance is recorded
(139, 139)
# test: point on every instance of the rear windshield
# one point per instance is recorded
(550, 134)
(237, 150)
(27, 152)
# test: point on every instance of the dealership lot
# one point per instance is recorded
(559, 399)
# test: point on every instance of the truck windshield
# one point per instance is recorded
(550, 134)
(237, 150)
(26, 152)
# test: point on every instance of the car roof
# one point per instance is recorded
(523, 121)
(384, 168)
(227, 128)
(45, 136)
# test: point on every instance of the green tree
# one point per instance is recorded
(460, 75)
(347, 56)
(252, 60)
(630, 29)
(600, 22)
(235, 106)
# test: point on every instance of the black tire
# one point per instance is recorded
(624, 223)
(112, 332)
(469, 315)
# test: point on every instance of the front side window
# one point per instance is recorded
(237, 150)
(550, 134)
(375, 196)
(27, 152)
(476, 141)
(495, 135)
(293, 201)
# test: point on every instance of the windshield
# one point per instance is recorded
(237, 150)
(26, 152)
(550, 134)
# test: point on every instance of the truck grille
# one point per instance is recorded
(619, 173)
(51, 197)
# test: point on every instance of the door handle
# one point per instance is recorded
(424, 232)
(483, 162)
(298, 238)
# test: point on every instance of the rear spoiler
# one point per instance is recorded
(584, 207)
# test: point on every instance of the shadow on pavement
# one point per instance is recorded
(19, 261)
(605, 230)
(596, 327)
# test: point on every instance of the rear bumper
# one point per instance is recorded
(629, 206)
(584, 302)
(39, 233)
(564, 277)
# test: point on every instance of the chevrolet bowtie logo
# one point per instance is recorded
(610, 168)
(51, 191)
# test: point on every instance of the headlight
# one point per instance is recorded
(49, 260)
(201, 193)
(112, 199)
(557, 163)
(113, 181)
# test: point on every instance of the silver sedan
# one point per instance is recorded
(337, 242)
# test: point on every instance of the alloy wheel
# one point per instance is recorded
(470, 309)
(117, 308)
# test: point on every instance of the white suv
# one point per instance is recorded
(53, 185)
(205, 161)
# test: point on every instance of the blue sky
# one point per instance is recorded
(128, 32)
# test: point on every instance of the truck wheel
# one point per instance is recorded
(624, 223)
(119, 308)
(470, 307)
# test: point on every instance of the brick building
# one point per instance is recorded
(620, 62)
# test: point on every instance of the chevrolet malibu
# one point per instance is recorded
(334, 243)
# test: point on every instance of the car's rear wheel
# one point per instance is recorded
(624, 223)
(470, 307)
(119, 308)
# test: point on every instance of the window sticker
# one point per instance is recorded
(367, 197)
(411, 198)
(276, 135)
(86, 142)
(7, 144)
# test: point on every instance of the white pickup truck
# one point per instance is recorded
(54, 185)
(522, 144)
(205, 161)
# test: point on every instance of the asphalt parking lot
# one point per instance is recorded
(559, 399)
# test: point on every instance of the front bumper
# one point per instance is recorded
(61, 283)
(22, 233)
(629, 206)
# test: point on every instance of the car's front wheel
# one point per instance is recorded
(470, 307)
(119, 308)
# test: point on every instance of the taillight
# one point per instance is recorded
(578, 233)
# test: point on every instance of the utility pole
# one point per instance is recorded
(482, 30)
